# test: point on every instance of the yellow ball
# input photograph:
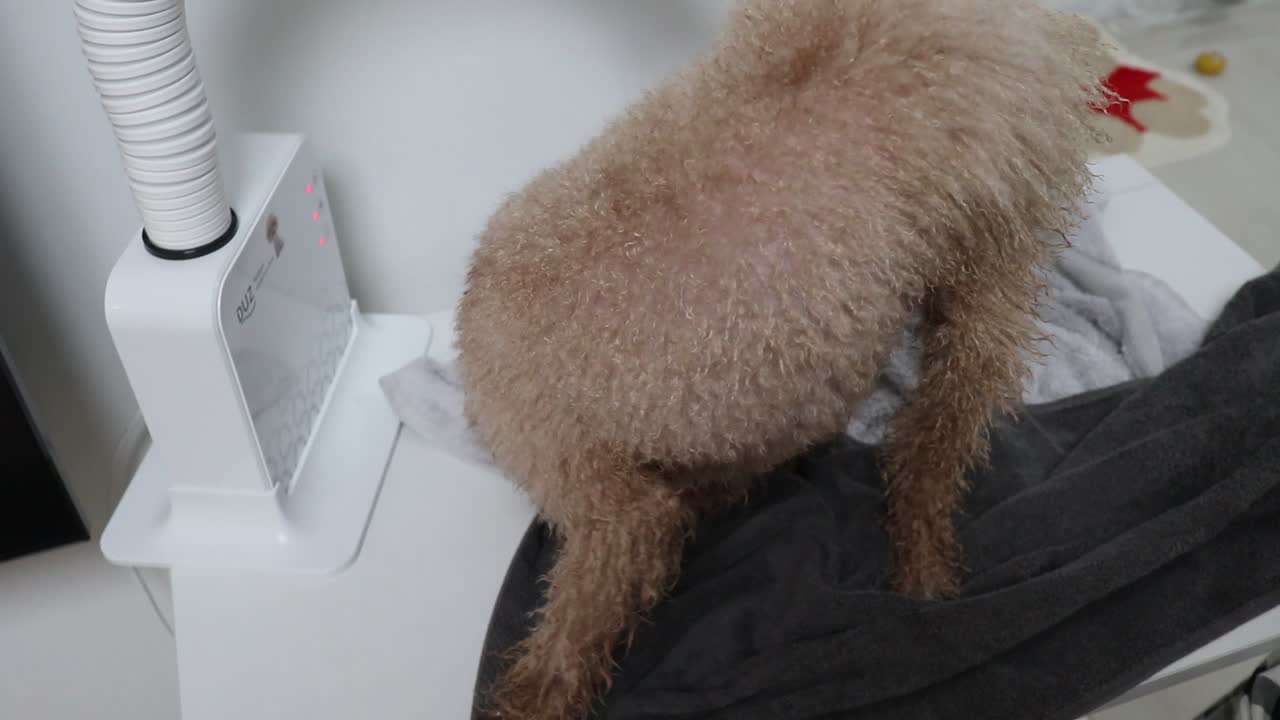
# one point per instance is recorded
(1211, 63)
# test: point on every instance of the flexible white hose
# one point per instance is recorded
(145, 71)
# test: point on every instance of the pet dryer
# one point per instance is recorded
(255, 371)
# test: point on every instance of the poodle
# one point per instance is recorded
(712, 284)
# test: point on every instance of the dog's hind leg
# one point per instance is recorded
(976, 335)
(622, 535)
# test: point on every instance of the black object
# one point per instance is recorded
(36, 511)
(1113, 533)
(195, 252)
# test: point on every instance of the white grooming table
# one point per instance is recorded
(398, 636)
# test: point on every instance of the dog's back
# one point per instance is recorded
(724, 267)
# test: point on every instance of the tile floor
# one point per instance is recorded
(1237, 187)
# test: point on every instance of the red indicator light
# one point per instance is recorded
(315, 215)
(323, 241)
(311, 188)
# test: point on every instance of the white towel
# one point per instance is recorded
(1102, 325)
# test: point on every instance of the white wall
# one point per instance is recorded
(425, 111)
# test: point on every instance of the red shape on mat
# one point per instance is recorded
(1129, 85)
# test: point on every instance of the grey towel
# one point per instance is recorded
(1102, 325)
(1112, 533)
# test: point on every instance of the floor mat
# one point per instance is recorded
(1161, 115)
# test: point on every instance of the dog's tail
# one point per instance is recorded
(620, 549)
